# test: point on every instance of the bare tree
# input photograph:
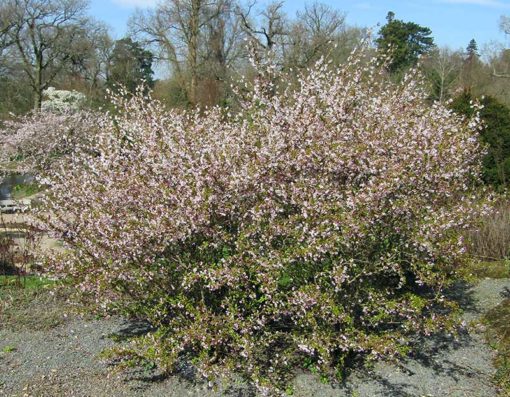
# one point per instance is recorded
(499, 59)
(314, 34)
(504, 24)
(442, 68)
(322, 21)
(43, 34)
(6, 25)
(179, 29)
(272, 28)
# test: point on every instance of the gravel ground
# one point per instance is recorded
(63, 361)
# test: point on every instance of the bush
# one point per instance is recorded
(317, 225)
(37, 140)
(491, 240)
(495, 134)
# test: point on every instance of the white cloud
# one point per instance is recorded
(136, 3)
(486, 3)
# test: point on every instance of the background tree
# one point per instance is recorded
(504, 24)
(43, 36)
(495, 133)
(5, 26)
(130, 65)
(406, 41)
(221, 54)
(442, 68)
(88, 67)
(268, 30)
(471, 68)
(472, 49)
(315, 33)
(178, 29)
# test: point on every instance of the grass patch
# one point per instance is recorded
(25, 190)
(491, 241)
(31, 303)
(498, 336)
(486, 269)
(9, 349)
(26, 282)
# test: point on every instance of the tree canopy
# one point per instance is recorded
(44, 36)
(405, 41)
(130, 64)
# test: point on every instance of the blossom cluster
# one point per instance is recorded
(319, 223)
(62, 101)
(38, 140)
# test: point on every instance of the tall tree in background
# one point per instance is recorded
(87, 69)
(130, 65)
(442, 68)
(178, 29)
(269, 29)
(472, 49)
(315, 33)
(471, 68)
(223, 48)
(406, 41)
(500, 68)
(43, 35)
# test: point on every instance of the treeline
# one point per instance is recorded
(208, 48)
(204, 44)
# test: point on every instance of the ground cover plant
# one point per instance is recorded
(21, 300)
(498, 335)
(320, 223)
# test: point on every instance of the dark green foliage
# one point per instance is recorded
(406, 41)
(495, 133)
(130, 65)
(472, 49)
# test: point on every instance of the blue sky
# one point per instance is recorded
(453, 22)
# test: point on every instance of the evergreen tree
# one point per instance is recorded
(406, 41)
(472, 49)
(130, 65)
(495, 133)
(471, 67)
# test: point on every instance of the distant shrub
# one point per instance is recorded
(317, 224)
(62, 101)
(38, 140)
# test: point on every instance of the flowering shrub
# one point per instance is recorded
(36, 141)
(318, 224)
(62, 101)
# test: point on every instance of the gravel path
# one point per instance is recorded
(63, 361)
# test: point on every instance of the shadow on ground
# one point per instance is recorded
(440, 365)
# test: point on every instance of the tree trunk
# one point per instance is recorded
(193, 50)
(38, 84)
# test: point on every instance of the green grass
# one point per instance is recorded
(498, 336)
(9, 349)
(25, 190)
(31, 303)
(26, 282)
(476, 269)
